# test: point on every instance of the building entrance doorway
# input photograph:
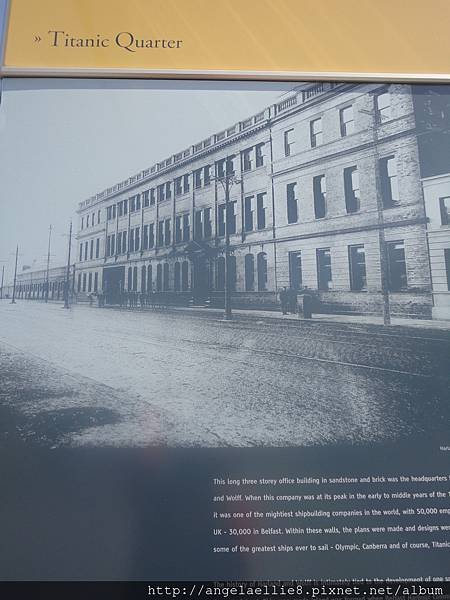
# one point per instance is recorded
(113, 282)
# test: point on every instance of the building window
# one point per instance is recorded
(324, 278)
(97, 247)
(177, 277)
(145, 238)
(131, 241)
(87, 221)
(158, 277)
(160, 193)
(444, 205)
(249, 266)
(151, 235)
(351, 189)
(315, 130)
(166, 277)
(96, 281)
(119, 243)
(135, 279)
(91, 250)
(137, 241)
(124, 242)
(90, 282)
(261, 210)
(161, 233)
(207, 225)
(143, 279)
(79, 282)
(447, 266)
(125, 206)
(146, 198)
(357, 263)
(113, 244)
(207, 175)
(84, 282)
(186, 183)
(185, 276)
(120, 208)
(288, 142)
(347, 122)
(178, 186)
(81, 252)
(397, 266)
(292, 203)
(295, 270)
(198, 225)
(178, 229)
(168, 190)
(247, 159)
(248, 213)
(186, 228)
(82, 222)
(320, 196)
(259, 156)
(389, 181)
(85, 250)
(98, 217)
(149, 279)
(231, 218)
(383, 106)
(198, 178)
(167, 232)
(261, 261)
(130, 279)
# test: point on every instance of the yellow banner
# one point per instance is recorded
(231, 37)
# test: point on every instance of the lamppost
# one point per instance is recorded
(48, 264)
(227, 181)
(13, 301)
(66, 294)
(380, 215)
(3, 278)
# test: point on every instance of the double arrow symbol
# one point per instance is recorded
(37, 38)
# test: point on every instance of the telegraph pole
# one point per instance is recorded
(227, 181)
(13, 301)
(3, 277)
(66, 295)
(380, 215)
(227, 299)
(48, 263)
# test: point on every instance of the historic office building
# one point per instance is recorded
(324, 193)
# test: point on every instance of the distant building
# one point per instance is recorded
(316, 176)
(32, 285)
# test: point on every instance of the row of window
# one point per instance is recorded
(87, 282)
(382, 113)
(397, 274)
(91, 219)
(389, 191)
(89, 249)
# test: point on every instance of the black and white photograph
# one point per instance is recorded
(224, 264)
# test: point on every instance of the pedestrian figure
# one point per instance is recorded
(284, 300)
(292, 301)
(307, 305)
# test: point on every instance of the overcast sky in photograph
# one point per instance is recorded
(62, 141)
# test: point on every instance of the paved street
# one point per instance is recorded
(89, 376)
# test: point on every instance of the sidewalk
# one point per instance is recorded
(320, 318)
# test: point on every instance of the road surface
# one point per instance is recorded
(90, 376)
